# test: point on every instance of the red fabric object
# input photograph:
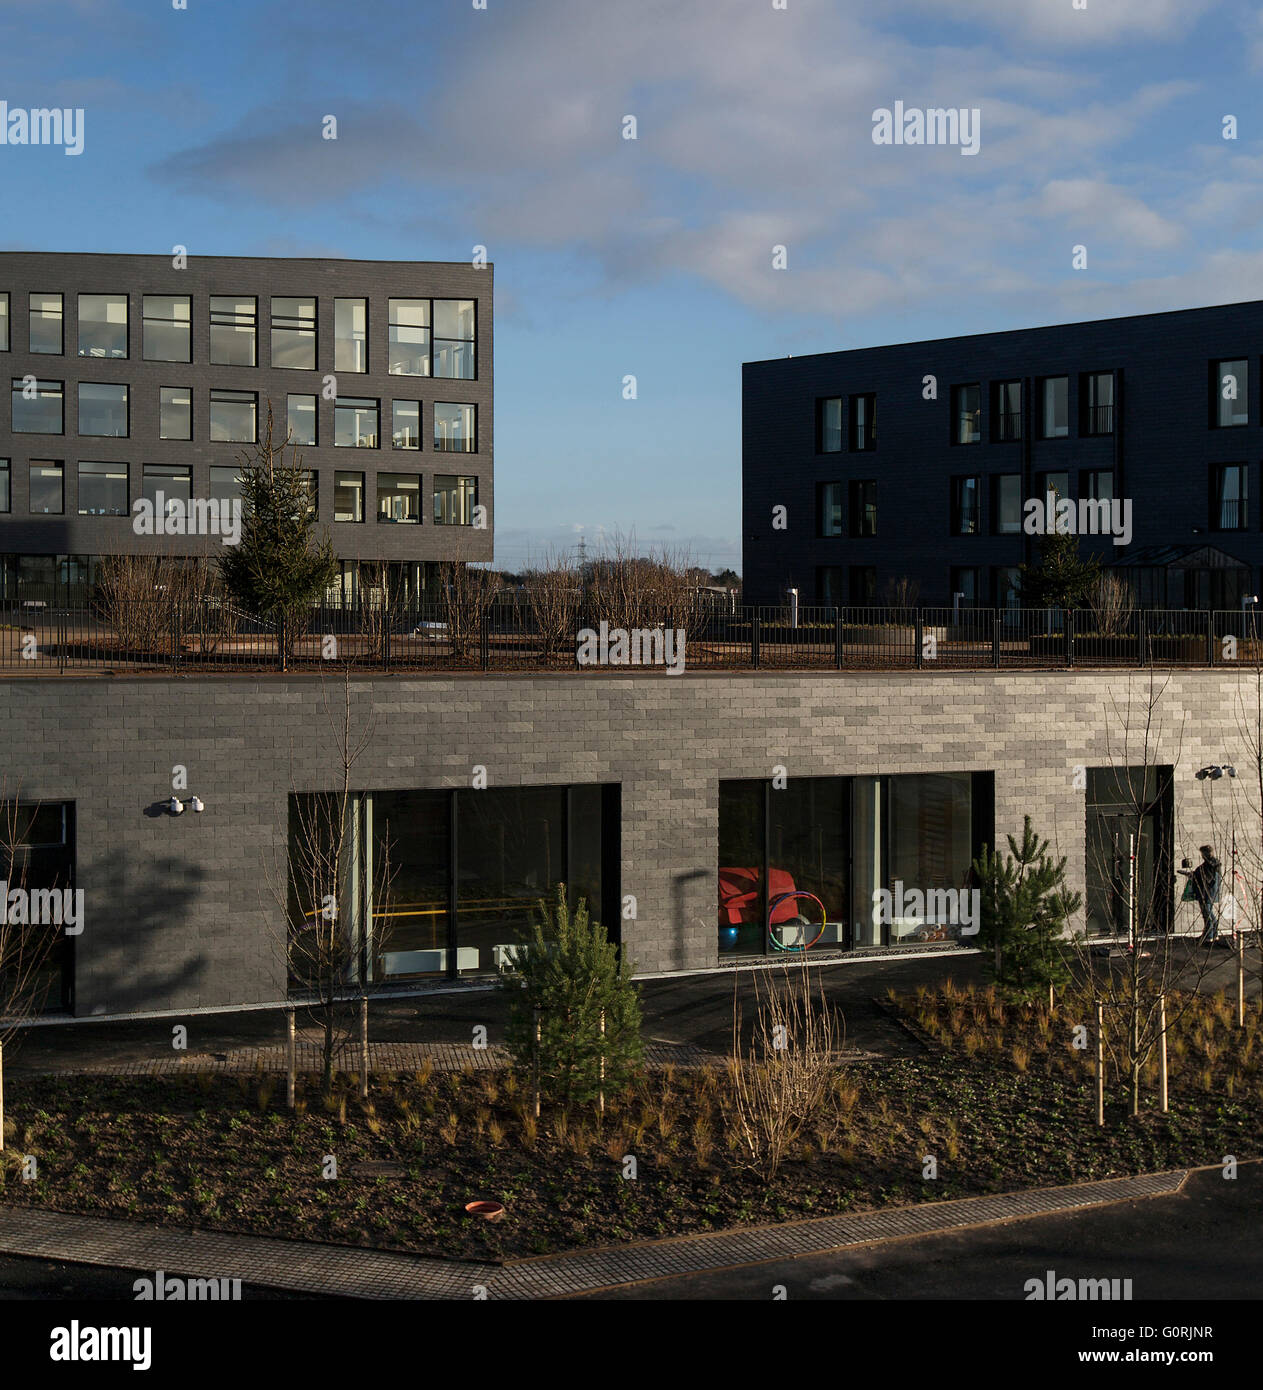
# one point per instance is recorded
(741, 900)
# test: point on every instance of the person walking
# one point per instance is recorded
(1205, 881)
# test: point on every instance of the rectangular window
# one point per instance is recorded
(399, 497)
(160, 482)
(829, 425)
(1006, 580)
(966, 520)
(1054, 407)
(863, 422)
(6, 490)
(409, 337)
(1097, 484)
(312, 479)
(1006, 411)
(355, 422)
(102, 489)
(45, 326)
(406, 428)
(863, 585)
(1232, 498)
(102, 325)
(175, 412)
(102, 410)
(225, 482)
(454, 354)
(234, 417)
(48, 493)
(829, 508)
(455, 428)
(965, 586)
(967, 414)
(830, 586)
(234, 338)
(348, 496)
(863, 499)
(454, 500)
(350, 335)
(166, 328)
(1006, 504)
(38, 409)
(294, 333)
(1230, 393)
(300, 417)
(1057, 483)
(1098, 403)
(4, 320)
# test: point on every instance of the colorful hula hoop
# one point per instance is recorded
(783, 897)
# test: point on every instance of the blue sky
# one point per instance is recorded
(502, 127)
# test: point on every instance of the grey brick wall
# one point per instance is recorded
(180, 911)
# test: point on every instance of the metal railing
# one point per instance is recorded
(507, 634)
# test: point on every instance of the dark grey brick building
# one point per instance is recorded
(651, 795)
(128, 376)
(917, 460)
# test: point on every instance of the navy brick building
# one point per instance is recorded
(915, 461)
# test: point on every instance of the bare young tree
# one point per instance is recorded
(25, 947)
(468, 594)
(326, 943)
(1112, 602)
(629, 590)
(555, 590)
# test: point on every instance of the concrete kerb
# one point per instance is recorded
(354, 1272)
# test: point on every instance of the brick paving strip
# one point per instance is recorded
(355, 1273)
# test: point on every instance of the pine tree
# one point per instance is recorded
(280, 568)
(1061, 579)
(566, 974)
(1025, 908)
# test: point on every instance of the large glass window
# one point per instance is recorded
(399, 497)
(102, 325)
(234, 417)
(1098, 403)
(4, 320)
(454, 354)
(294, 333)
(930, 846)
(102, 489)
(300, 414)
(1058, 483)
(47, 486)
(160, 482)
(1006, 422)
(350, 335)
(966, 506)
(175, 412)
(864, 422)
(225, 482)
(1232, 498)
(454, 500)
(967, 414)
(742, 855)
(1230, 383)
(966, 590)
(166, 328)
(406, 427)
(831, 586)
(409, 337)
(829, 509)
(863, 507)
(1054, 407)
(348, 496)
(102, 410)
(355, 420)
(455, 428)
(234, 337)
(829, 424)
(38, 408)
(1006, 504)
(45, 323)
(41, 838)
(6, 489)
(1098, 484)
(1008, 586)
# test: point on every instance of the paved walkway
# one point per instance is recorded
(348, 1272)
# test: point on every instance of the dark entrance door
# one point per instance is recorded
(1128, 821)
